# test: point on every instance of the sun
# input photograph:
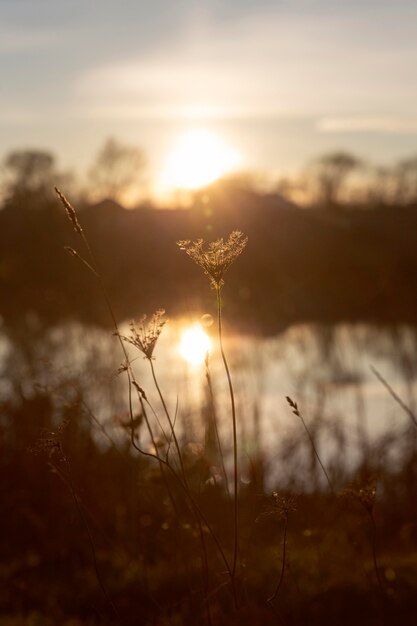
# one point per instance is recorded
(194, 344)
(198, 158)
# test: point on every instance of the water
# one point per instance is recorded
(326, 370)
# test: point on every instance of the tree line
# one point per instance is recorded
(119, 172)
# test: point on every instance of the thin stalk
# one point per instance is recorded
(374, 557)
(189, 496)
(395, 396)
(171, 425)
(297, 412)
(204, 558)
(235, 465)
(216, 430)
(281, 577)
(152, 438)
(165, 463)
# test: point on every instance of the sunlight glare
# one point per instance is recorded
(194, 345)
(198, 158)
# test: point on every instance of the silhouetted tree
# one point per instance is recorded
(406, 187)
(117, 170)
(331, 172)
(294, 189)
(29, 176)
(381, 188)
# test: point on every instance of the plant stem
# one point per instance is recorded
(395, 396)
(171, 425)
(284, 550)
(216, 430)
(196, 509)
(235, 465)
(373, 542)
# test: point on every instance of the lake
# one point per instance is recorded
(325, 369)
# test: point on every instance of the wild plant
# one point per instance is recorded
(215, 260)
(51, 444)
(280, 508)
(214, 421)
(144, 338)
(395, 396)
(364, 492)
(297, 412)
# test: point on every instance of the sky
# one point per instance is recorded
(281, 81)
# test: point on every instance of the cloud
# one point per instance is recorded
(268, 64)
(375, 123)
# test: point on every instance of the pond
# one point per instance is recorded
(327, 370)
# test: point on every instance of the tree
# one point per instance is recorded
(406, 174)
(29, 177)
(117, 171)
(331, 172)
(27, 172)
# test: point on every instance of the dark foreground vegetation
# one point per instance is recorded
(91, 536)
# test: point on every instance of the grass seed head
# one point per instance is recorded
(70, 211)
(145, 335)
(217, 257)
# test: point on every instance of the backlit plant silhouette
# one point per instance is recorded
(215, 260)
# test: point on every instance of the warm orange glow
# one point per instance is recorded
(198, 158)
(194, 344)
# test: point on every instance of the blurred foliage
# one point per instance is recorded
(148, 553)
(299, 265)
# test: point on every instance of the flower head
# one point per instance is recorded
(280, 506)
(364, 492)
(217, 257)
(144, 336)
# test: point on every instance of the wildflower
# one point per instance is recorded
(218, 256)
(280, 507)
(144, 336)
(365, 493)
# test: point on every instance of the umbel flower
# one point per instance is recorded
(280, 507)
(145, 335)
(217, 257)
(364, 492)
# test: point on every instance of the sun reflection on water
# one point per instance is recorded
(194, 344)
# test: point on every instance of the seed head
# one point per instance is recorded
(364, 492)
(280, 506)
(293, 405)
(144, 336)
(72, 216)
(217, 257)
